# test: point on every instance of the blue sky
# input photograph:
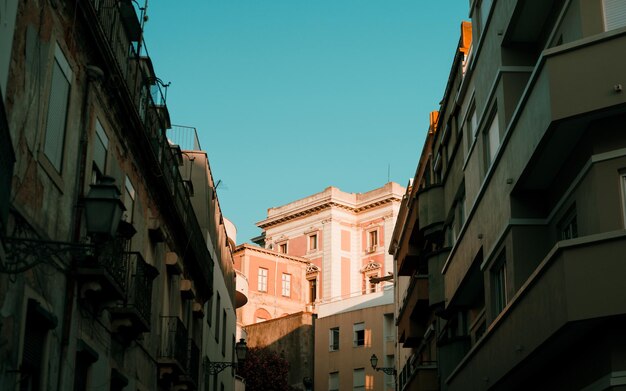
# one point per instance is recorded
(292, 96)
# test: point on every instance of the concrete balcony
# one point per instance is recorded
(431, 209)
(436, 291)
(241, 289)
(413, 313)
(579, 282)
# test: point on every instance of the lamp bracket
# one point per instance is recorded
(215, 367)
(24, 253)
(388, 371)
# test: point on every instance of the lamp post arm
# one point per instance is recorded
(25, 253)
(215, 367)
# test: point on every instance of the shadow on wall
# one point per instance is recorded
(291, 336)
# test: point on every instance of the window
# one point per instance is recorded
(492, 141)
(57, 109)
(333, 337)
(313, 242)
(368, 285)
(224, 332)
(498, 276)
(483, 14)
(129, 200)
(358, 379)
(372, 240)
(217, 318)
(333, 381)
(209, 311)
(461, 209)
(282, 248)
(100, 147)
(37, 325)
(358, 334)
(262, 280)
(623, 186)
(286, 284)
(568, 226)
(614, 14)
(472, 123)
(312, 290)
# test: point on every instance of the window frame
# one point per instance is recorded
(333, 339)
(622, 181)
(491, 149)
(50, 152)
(285, 280)
(357, 328)
(262, 274)
(358, 379)
(499, 284)
(333, 380)
(312, 242)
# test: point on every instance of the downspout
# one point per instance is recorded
(94, 73)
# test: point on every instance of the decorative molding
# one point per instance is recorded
(312, 269)
(371, 266)
(326, 205)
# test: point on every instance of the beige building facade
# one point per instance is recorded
(84, 120)
(513, 237)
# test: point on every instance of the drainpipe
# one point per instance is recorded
(94, 73)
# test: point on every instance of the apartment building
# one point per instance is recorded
(512, 235)
(106, 271)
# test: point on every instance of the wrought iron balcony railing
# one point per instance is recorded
(134, 312)
(142, 95)
(174, 343)
(193, 362)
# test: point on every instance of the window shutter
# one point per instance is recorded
(57, 111)
(614, 14)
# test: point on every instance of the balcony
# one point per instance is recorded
(431, 211)
(140, 94)
(103, 276)
(192, 366)
(413, 313)
(241, 289)
(133, 315)
(579, 282)
(174, 349)
(420, 375)
(436, 260)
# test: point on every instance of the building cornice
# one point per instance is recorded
(261, 250)
(326, 204)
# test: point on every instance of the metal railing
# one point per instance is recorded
(193, 362)
(133, 77)
(140, 286)
(113, 258)
(174, 341)
(186, 137)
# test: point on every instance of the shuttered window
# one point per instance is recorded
(100, 147)
(36, 328)
(57, 110)
(614, 14)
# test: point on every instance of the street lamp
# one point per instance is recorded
(103, 211)
(241, 351)
(388, 371)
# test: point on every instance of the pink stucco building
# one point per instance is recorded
(342, 234)
(326, 254)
